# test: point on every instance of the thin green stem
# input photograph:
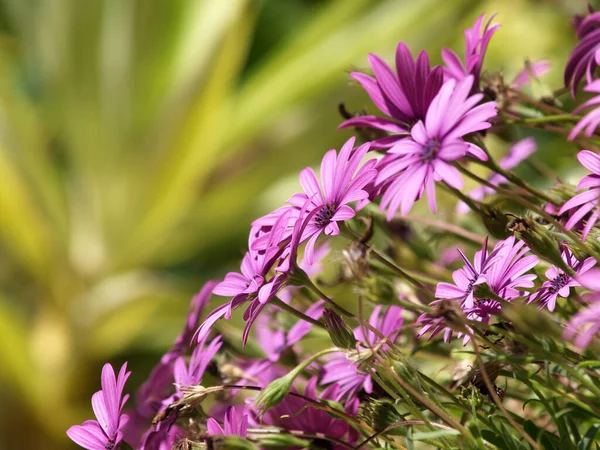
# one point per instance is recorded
(281, 304)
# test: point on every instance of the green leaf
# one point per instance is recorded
(589, 438)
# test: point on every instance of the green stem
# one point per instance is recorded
(412, 278)
(545, 119)
(494, 166)
(281, 304)
(527, 204)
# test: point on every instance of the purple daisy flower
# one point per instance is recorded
(560, 283)
(342, 183)
(585, 57)
(297, 414)
(517, 153)
(585, 202)
(584, 325)
(477, 39)
(590, 121)
(403, 96)
(504, 271)
(347, 374)
(234, 424)
(105, 433)
(427, 155)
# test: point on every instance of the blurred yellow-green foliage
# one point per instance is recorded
(138, 138)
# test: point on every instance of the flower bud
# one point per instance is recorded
(381, 414)
(273, 394)
(341, 335)
(531, 320)
(539, 240)
(494, 220)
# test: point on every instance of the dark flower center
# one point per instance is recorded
(558, 283)
(323, 217)
(430, 150)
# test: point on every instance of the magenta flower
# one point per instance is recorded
(403, 96)
(504, 271)
(585, 202)
(517, 153)
(477, 39)
(584, 325)
(105, 433)
(342, 183)
(590, 121)
(252, 285)
(191, 373)
(560, 283)
(297, 414)
(347, 375)
(235, 424)
(586, 55)
(427, 155)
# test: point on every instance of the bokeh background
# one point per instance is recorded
(138, 139)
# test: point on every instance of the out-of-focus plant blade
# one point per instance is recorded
(21, 226)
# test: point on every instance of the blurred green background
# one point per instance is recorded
(138, 139)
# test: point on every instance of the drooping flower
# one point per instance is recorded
(584, 325)
(589, 123)
(348, 374)
(427, 155)
(342, 182)
(235, 423)
(297, 414)
(477, 39)
(251, 285)
(403, 96)
(560, 283)
(585, 57)
(585, 202)
(517, 153)
(105, 433)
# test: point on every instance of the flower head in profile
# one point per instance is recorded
(342, 183)
(518, 152)
(234, 424)
(558, 282)
(427, 155)
(105, 433)
(477, 39)
(348, 375)
(505, 272)
(585, 57)
(404, 96)
(251, 284)
(589, 123)
(585, 203)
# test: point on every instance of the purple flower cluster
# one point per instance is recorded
(431, 131)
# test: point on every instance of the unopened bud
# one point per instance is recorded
(539, 240)
(341, 335)
(273, 394)
(531, 320)
(381, 414)
(494, 220)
